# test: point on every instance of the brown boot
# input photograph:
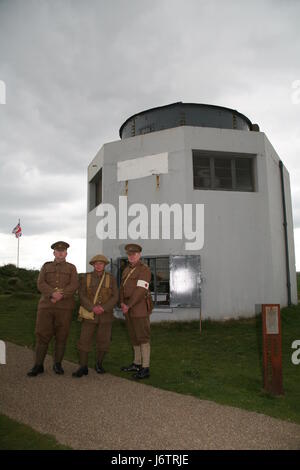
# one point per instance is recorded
(83, 361)
(35, 371)
(80, 372)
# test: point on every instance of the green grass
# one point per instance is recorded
(223, 364)
(17, 436)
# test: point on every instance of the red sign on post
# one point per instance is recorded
(272, 354)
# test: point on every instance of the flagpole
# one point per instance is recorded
(18, 249)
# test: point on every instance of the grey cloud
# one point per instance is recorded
(69, 219)
(75, 71)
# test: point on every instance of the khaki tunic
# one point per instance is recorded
(55, 319)
(108, 297)
(134, 296)
(57, 276)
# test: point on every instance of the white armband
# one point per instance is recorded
(142, 283)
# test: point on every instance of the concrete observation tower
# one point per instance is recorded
(212, 161)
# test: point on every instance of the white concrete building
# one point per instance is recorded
(208, 155)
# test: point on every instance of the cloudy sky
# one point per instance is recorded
(75, 70)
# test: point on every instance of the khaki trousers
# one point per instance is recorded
(138, 329)
(103, 336)
(52, 322)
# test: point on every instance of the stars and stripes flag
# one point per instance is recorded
(17, 230)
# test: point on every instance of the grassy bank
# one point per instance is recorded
(17, 436)
(13, 279)
(223, 364)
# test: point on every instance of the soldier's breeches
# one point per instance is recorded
(85, 342)
(44, 328)
(53, 322)
(103, 336)
(138, 329)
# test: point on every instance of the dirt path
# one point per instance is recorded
(107, 412)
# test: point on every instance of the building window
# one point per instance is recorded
(95, 190)
(223, 171)
(175, 280)
(160, 278)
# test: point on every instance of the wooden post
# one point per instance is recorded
(272, 354)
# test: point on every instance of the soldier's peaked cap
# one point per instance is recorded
(100, 258)
(133, 248)
(60, 246)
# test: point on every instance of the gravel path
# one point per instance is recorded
(107, 412)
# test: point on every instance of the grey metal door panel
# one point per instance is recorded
(185, 281)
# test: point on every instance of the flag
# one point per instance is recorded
(17, 230)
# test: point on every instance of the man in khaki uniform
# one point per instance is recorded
(105, 286)
(57, 282)
(137, 306)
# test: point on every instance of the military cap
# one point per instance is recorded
(100, 258)
(60, 246)
(133, 248)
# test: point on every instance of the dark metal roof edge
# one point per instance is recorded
(188, 104)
